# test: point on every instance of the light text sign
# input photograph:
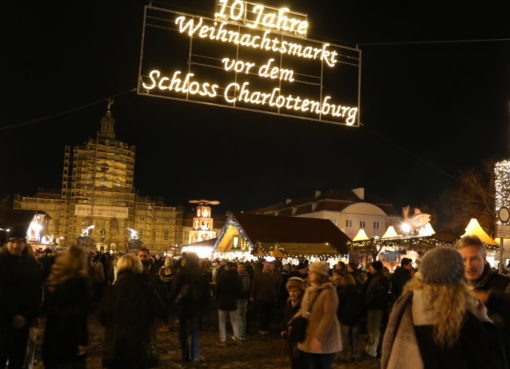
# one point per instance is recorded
(249, 57)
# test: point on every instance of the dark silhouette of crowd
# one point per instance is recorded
(452, 311)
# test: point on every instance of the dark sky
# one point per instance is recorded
(428, 109)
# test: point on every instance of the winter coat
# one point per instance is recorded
(265, 287)
(66, 307)
(498, 304)
(20, 290)
(351, 306)
(228, 290)
(323, 324)
(376, 294)
(288, 312)
(398, 280)
(245, 283)
(408, 341)
(128, 311)
(191, 289)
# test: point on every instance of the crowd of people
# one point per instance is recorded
(453, 311)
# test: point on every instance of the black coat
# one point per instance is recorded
(376, 294)
(398, 280)
(228, 290)
(20, 290)
(351, 305)
(66, 308)
(191, 289)
(128, 311)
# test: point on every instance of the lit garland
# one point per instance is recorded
(400, 243)
(502, 184)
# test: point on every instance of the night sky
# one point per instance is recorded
(429, 110)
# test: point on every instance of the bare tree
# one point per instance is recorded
(473, 198)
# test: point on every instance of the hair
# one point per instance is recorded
(73, 262)
(450, 302)
(347, 280)
(471, 241)
(144, 249)
(129, 262)
(405, 261)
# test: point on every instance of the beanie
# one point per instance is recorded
(321, 267)
(295, 282)
(377, 265)
(442, 265)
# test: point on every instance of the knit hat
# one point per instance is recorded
(442, 265)
(321, 267)
(377, 265)
(295, 282)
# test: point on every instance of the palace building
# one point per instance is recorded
(98, 198)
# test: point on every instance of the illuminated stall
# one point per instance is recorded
(250, 236)
(34, 222)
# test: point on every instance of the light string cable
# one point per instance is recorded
(65, 112)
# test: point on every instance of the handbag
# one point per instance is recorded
(299, 324)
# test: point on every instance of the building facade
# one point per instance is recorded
(349, 210)
(98, 198)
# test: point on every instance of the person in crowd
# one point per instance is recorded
(341, 268)
(437, 323)
(46, 260)
(489, 287)
(336, 277)
(376, 301)
(320, 304)
(20, 297)
(66, 306)
(242, 301)
(400, 277)
(351, 309)
(97, 277)
(353, 269)
(295, 288)
(128, 312)
(150, 270)
(227, 291)
(264, 295)
(166, 277)
(190, 291)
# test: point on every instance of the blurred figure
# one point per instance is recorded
(264, 295)
(320, 304)
(489, 287)
(227, 291)
(128, 311)
(242, 301)
(351, 310)
(436, 323)
(20, 297)
(191, 291)
(66, 305)
(376, 302)
(295, 288)
(400, 277)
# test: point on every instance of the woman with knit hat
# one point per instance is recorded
(319, 306)
(436, 323)
(295, 287)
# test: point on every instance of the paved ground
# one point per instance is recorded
(257, 352)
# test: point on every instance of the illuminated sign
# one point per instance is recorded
(101, 211)
(249, 57)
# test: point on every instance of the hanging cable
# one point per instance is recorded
(65, 112)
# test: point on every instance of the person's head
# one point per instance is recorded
(16, 240)
(472, 250)
(230, 266)
(72, 262)
(318, 272)
(336, 276)
(241, 268)
(267, 267)
(375, 267)
(406, 263)
(440, 279)
(131, 263)
(144, 255)
(295, 287)
(352, 267)
(347, 280)
(340, 266)
(191, 260)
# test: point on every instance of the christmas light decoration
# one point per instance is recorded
(502, 184)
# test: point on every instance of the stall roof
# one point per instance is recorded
(294, 234)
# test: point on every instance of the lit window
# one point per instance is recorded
(362, 224)
(348, 223)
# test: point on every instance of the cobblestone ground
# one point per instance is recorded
(256, 352)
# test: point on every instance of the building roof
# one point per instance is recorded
(330, 200)
(298, 235)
